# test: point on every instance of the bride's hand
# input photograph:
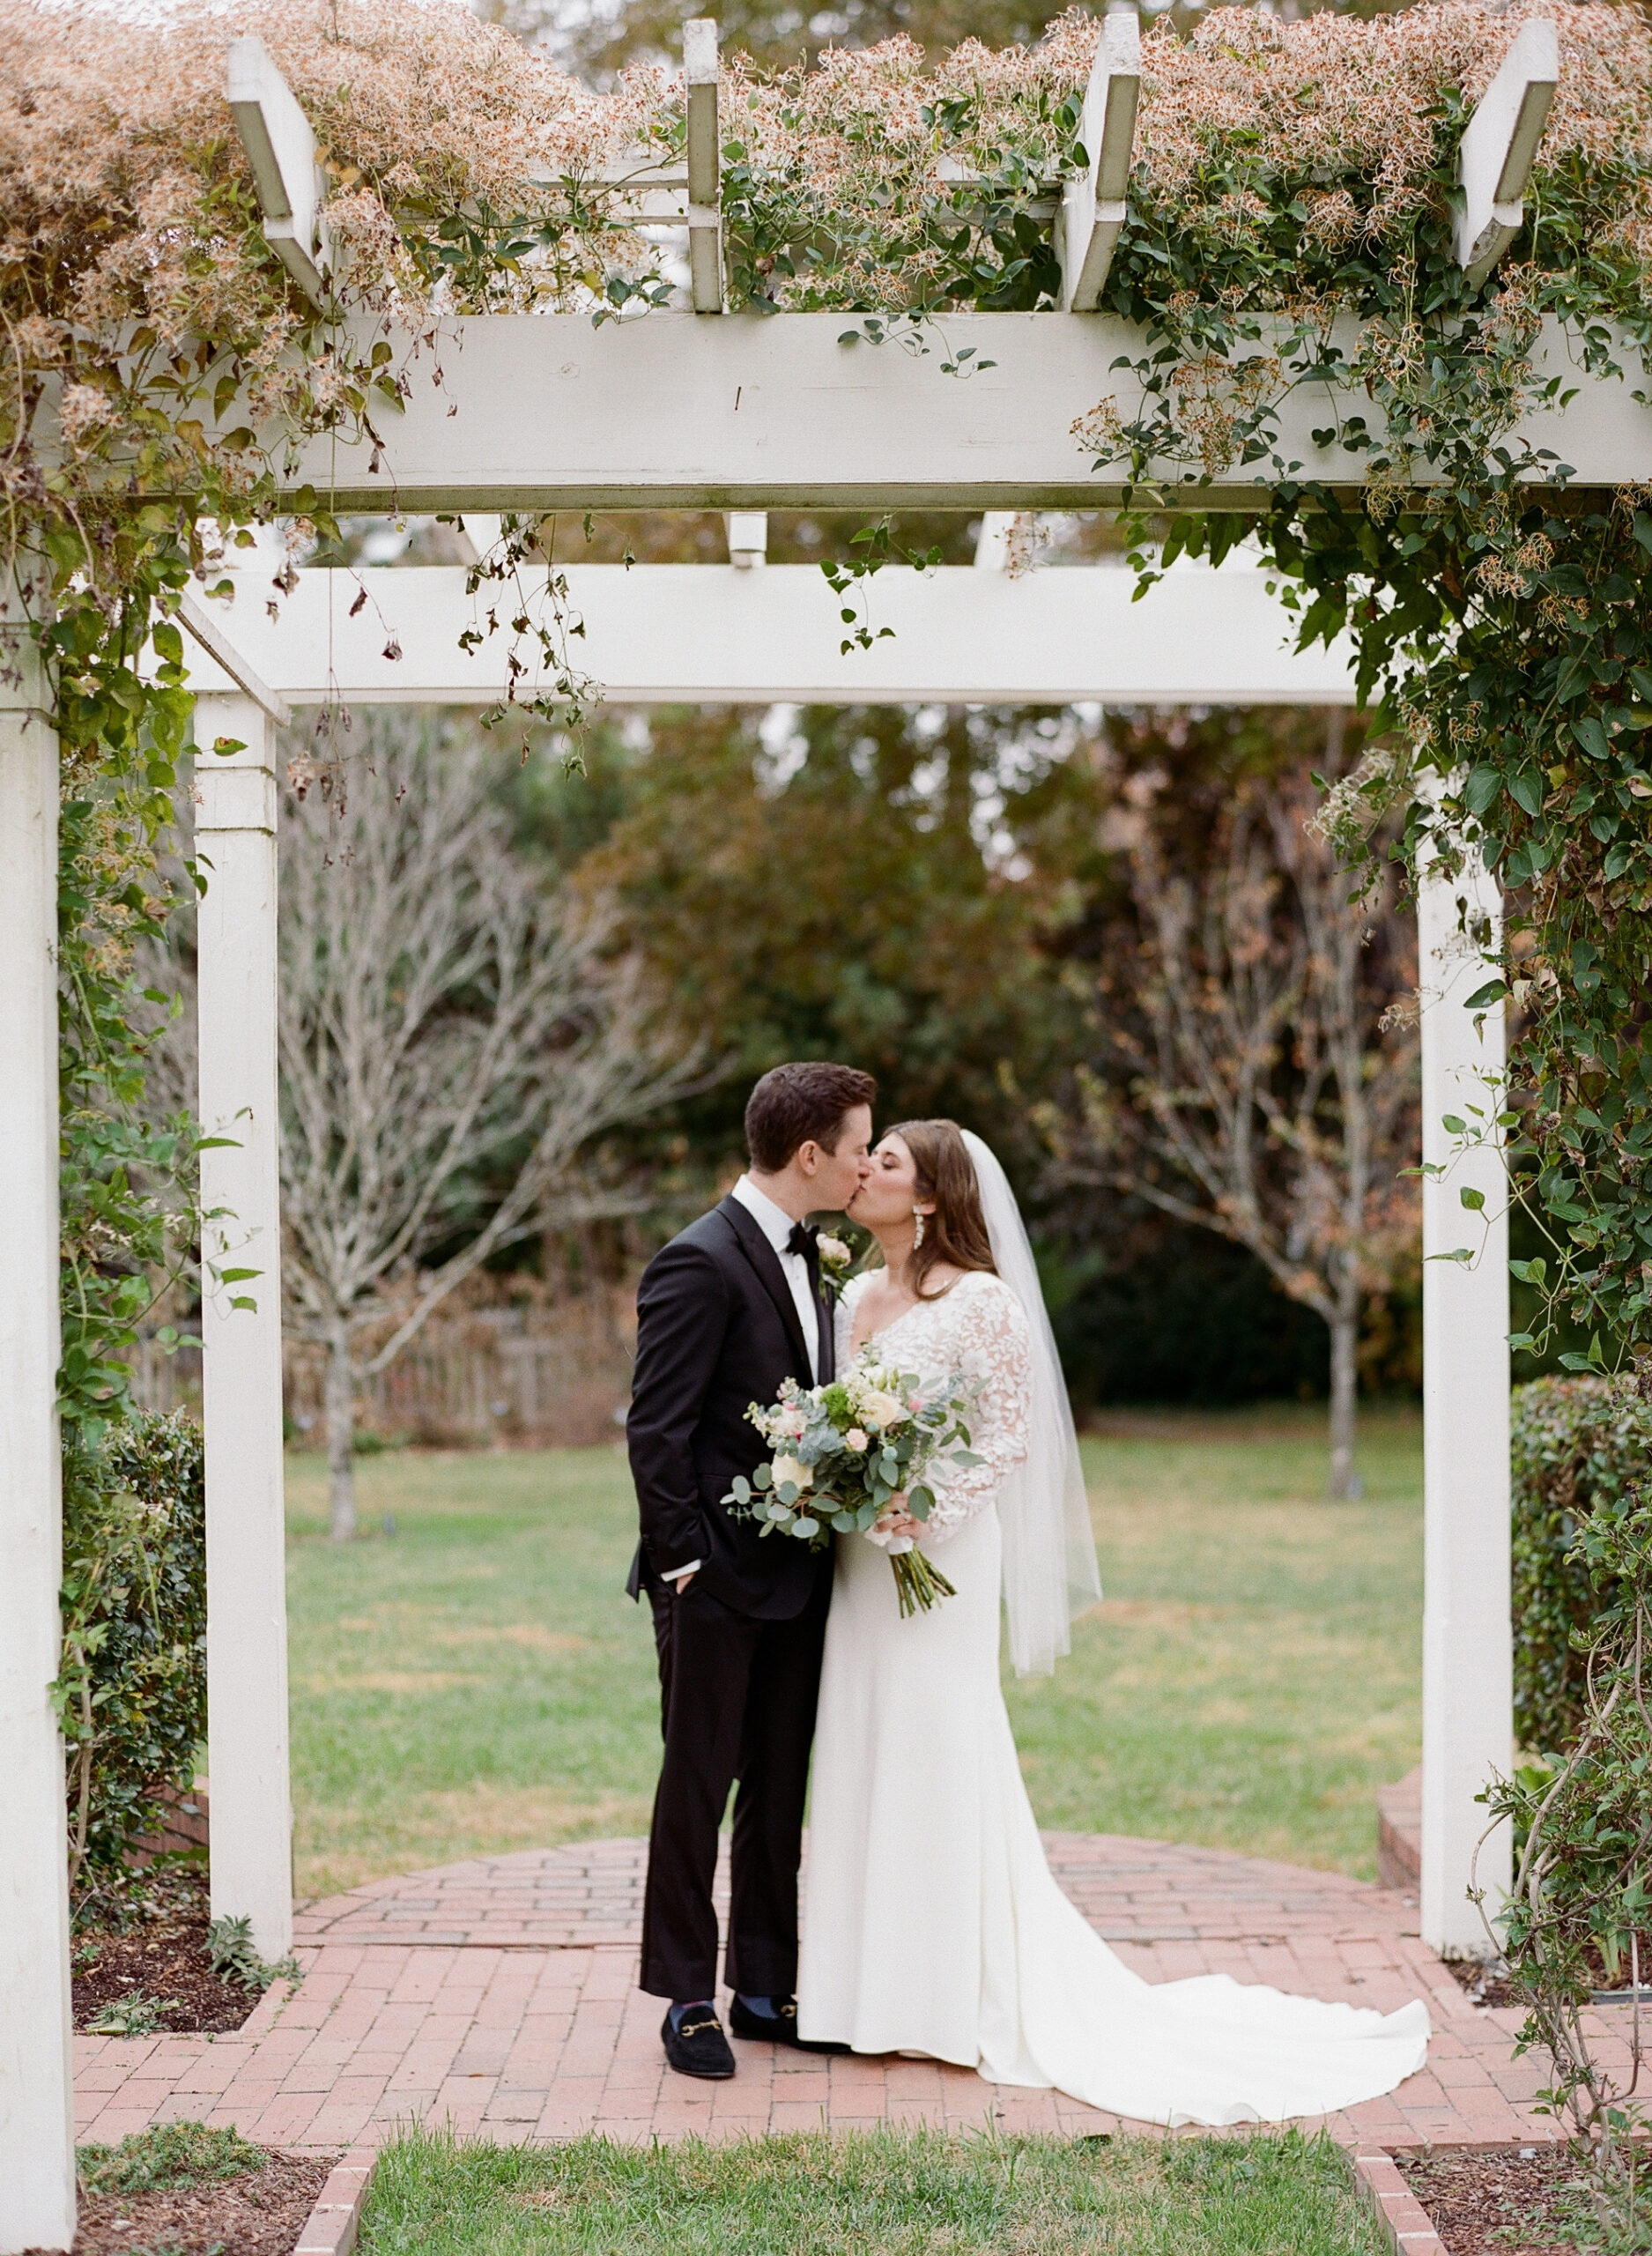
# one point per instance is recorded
(895, 1519)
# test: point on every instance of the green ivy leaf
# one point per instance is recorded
(1484, 784)
(1526, 790)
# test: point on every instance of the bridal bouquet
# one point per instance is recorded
(844, 1451)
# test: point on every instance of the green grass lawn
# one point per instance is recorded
(478, 1681)
(885, 2195)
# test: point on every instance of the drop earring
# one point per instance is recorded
(917, 1235)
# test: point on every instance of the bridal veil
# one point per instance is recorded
(1051, 1574)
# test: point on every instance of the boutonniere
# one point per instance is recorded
(835, 1260)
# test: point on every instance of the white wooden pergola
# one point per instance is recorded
(657, 633)
(675, 413)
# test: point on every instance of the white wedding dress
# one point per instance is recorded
(932, 1924)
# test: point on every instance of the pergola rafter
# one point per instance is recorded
(666, 411)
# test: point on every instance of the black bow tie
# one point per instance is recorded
(804, 1239)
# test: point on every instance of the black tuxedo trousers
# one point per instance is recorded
(737, 1700)
(739, 1650)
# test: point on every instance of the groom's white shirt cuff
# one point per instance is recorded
(676, 1573)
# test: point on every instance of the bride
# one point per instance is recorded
(932, 1924)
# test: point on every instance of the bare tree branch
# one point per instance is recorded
(1252, 1077)
(458, 1034)
(455, 1036)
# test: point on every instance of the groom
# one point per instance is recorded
(725, 1312)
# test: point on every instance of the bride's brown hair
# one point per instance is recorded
(956, 1232)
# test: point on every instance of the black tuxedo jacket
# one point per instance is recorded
(717, 1330)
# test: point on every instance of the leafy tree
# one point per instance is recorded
(942, 896)
(853, 888)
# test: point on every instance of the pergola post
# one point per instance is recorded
(1468, 1691)
(241, 1326)
(37, 2148)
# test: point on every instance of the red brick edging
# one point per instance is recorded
(1404, 2222)
(331, 2227)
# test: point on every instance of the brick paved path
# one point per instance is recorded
(498, 1996)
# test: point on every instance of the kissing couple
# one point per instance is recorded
(932, 1924)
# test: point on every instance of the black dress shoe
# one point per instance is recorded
(775, 2028)
(697, 2046)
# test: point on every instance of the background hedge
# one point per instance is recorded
(1579, 1444)
(133, 1691)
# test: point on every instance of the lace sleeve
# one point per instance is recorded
(994, 1352)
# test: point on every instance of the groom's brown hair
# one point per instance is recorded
(801, 1104)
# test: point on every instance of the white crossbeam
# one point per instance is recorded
(701, 71)
(281, 150)
(1499, 145)
(670, 412)
(1093, 209)
(687, 633)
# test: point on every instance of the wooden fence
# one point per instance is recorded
(516, 1377)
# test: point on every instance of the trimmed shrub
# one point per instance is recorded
(132, 1690)
(1578, 1444)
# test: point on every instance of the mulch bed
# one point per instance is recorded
(261, 2214)
(161, 1953)
(1485, 1985)
(1513, 2202)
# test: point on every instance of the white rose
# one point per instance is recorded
(792, 1469)
(832, 1250)
(881, 1410)
(855, 1439)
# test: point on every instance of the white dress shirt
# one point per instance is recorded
(776, 1226)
